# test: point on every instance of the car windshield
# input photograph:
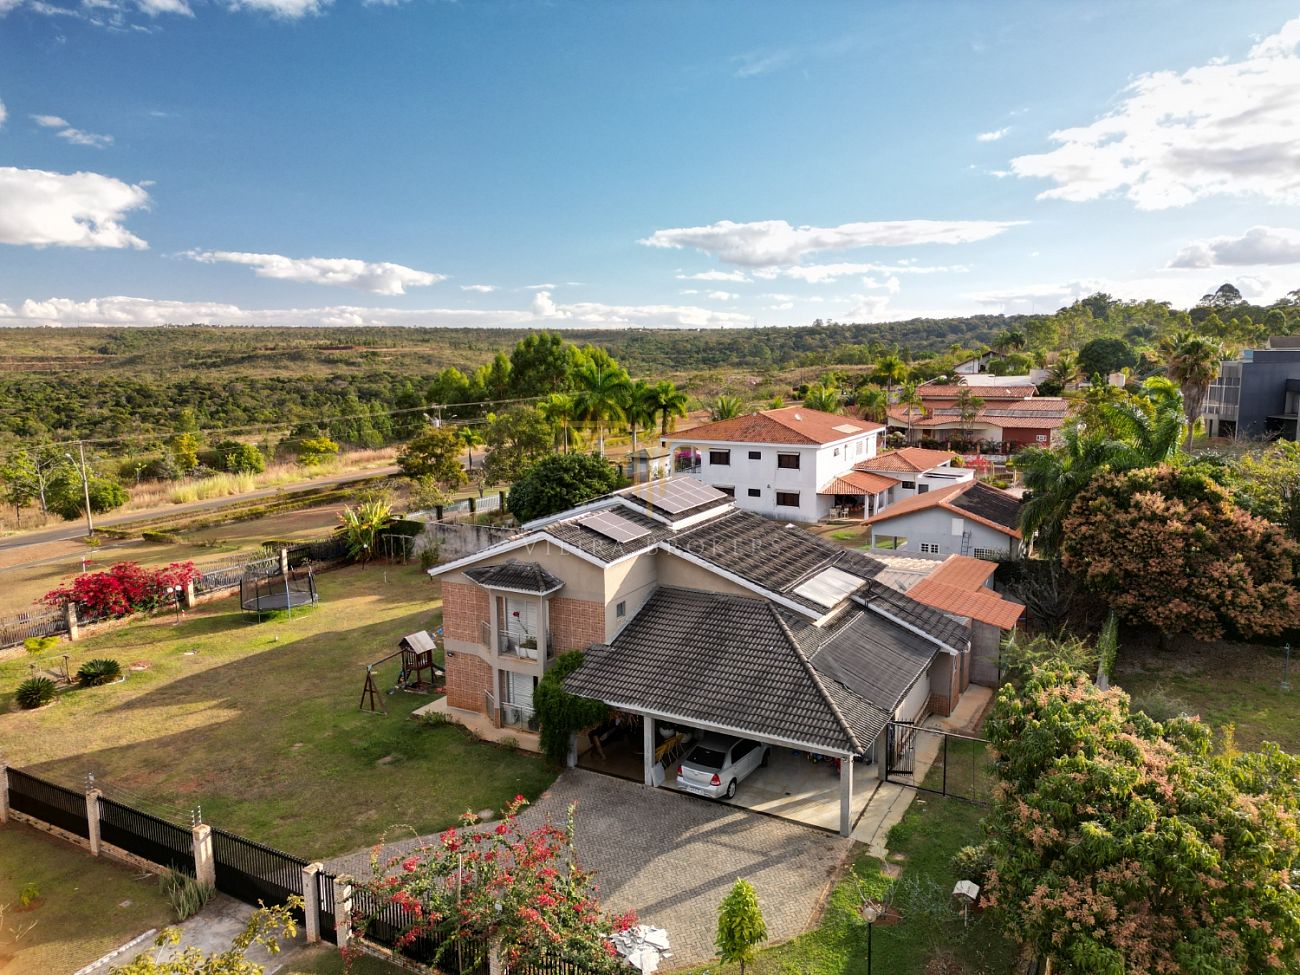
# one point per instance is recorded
(707, 757)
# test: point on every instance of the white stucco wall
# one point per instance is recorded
(938, 526)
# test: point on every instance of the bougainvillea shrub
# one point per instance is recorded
(122, 589)
(518, 889)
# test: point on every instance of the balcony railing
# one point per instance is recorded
(525, 648)
(520, 716)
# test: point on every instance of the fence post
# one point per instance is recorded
(4, 793)
(342, 910)
(205, 865)
(189, 595)
(284, 562)
(70, 615)
(311, 901)
(92, 819)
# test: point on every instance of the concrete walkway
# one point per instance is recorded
(891, 799)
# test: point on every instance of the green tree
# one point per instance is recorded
(1102, 356)
(515, 440)
(469, 439)
(561, 410)
(184, 449)
(670, 402)
(890, 370)
(1064, 371)
(602, 396)
(560, 482)
(741, 928)
(361, 526)
(1267, 483)
(541, 363)
(909, 398)
(1123, 845)
(642, 405)
(493, 379)
(65, 493)
(1166, 547)
(27, 474)
(820, 396)
(265, 928)
(1194, 364)
(968, 408)
(873, 403)
(314, 451)
(240, 458)
(434, 456)
(726, 408)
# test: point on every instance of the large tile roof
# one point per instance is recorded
(876, 659)
(789, 425)
(979, 604)
(902, 607)
(941, 391)
(730, 661)
(910, 460)
(969, 499)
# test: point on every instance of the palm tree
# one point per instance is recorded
(968, 408)
(670, 402)
(602, 396)
(825, 398)
(1065, 369)
(775, 403)
(873, 403)
(470, 438)
(642, 406)
(360, 528)
(1194, 364)
(726, 408)
(562, 409)
(909, 397)
(890, 369)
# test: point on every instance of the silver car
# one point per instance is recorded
(717, 763)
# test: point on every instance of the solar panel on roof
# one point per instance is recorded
(678, 494)
(613, 527)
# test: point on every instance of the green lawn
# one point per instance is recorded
(86, 906)
(930, 929)
(1225, 683)
(325, 960)
(259, 723)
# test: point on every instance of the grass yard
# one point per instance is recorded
(259, 723)
(85, 907)
(1225, 683)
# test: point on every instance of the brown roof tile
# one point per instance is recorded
(910, 460)
(788, 425)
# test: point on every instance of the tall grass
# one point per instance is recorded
(216, 486)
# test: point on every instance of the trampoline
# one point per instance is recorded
(261, 592)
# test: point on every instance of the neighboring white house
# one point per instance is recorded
(781, 463)
(917, 470)
(970, 518)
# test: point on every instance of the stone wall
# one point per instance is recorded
(576, 623)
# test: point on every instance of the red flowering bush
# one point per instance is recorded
(521, 890)
(122, 589)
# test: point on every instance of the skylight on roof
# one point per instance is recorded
(847, 428)
(830, 587)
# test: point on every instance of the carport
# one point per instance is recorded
(734, 665)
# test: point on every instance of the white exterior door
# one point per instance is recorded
(522, 624)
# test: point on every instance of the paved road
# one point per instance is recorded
(77, 529)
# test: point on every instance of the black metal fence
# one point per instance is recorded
(328, 915)
(15, 629)
(330, 549)
(226, 575)
(387, 924)
(938, 761)
(252, 872)
(148, 837)
(50, 803)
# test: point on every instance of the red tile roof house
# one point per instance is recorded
(697, 615)
(794, 463)
(970, 518)
(1011, 416)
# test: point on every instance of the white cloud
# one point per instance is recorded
(544, 307)
(41, 208)
(993, 136)
(539, 287)
(1258, 245)
(483, 289)
(155, 7)
(820, 273)
(763, 243)
(689, 291)
(867, 308)
(782, 306)
(722, 296)
(890, 284)
(4, 112)
(735, 276)
(778, 296)
(755, 63)
(599, 315)
(283, 9)
(379, 278)
(69, 134)
(1225, 128)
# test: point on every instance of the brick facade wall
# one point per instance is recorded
(576, 623)
(468, 678)
(464, 610)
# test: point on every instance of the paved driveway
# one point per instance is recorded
(672, 857)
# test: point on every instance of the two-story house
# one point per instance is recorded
(783, 463)
(695, 614)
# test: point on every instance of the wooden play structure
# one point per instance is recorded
(419, 674)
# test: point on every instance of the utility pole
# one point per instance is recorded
(85, 487)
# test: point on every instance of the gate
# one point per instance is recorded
(252, 872)
(325, 898)
(50, 803)
(154, 839)
(933, 760)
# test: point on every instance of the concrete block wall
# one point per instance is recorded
(576, 623)
(464, 611)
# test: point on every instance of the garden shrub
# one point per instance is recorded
(162, 538)
(973, 863)
(39, 644)
(184, 893)
(34, 692)
(122, 589)
(101, 670)
(560, 713)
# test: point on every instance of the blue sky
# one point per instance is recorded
(652, 164)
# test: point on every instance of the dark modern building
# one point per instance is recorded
(1258, 394)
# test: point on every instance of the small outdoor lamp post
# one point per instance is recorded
(870, 913)
(179, 592)
(1286, 670)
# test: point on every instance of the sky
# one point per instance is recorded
(638, 164)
